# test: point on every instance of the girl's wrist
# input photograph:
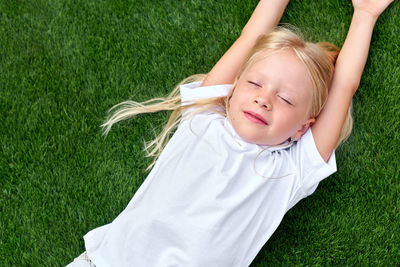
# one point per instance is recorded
(365, 16)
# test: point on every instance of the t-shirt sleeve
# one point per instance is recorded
(311, 166)
(192, 91)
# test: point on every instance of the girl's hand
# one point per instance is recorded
(373, 7)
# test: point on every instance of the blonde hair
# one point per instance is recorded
(318, 58)
(172, 102)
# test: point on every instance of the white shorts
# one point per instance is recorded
(82, 261)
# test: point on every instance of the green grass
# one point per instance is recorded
(65, 63)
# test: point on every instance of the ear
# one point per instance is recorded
(303, 129)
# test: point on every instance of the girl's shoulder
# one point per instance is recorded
(309, 162)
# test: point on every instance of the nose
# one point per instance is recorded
(263, 102)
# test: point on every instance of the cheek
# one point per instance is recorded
(293, 119)
(234, 102)
(231, 108)
(303, 111)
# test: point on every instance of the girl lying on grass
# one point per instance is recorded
(253, 137)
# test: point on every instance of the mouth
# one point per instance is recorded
(255, 118)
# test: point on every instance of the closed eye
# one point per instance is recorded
(254, 83)
(286, 100)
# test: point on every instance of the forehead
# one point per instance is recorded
(282, 68)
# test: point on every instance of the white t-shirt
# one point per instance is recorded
(211, 199)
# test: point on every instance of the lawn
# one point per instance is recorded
(63, 64)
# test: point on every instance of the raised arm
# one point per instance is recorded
(264, 18)
(348, 69)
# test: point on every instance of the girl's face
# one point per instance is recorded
(271, 100)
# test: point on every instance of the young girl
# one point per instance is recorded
(254, 136)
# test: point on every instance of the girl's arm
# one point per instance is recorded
(264, 18)
(348, 69)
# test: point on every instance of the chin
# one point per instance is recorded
(253, 139)
(249, 138)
